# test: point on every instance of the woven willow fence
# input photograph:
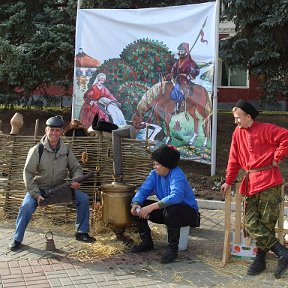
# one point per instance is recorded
(96, 150)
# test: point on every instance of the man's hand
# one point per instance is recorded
(276, 164)
(225, 187)
(39, 199)
(145, 211)
(75, 185)
(134, 210)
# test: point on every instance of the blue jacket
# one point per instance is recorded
(173, 188)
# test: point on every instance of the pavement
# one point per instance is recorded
(198, 266)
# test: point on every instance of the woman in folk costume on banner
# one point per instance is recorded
(99, 100)
(184, 70)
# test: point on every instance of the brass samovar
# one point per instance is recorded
(116, 197)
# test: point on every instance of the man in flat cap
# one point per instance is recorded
(259, 148)
(176, 207)
(48, 170)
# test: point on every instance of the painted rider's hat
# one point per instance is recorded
(184, 46)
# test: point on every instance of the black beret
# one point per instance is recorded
(166, 156)
(55, 121)
(248, 108)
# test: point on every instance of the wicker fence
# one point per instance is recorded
(94, 153)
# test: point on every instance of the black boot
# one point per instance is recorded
(145, 236)
(172, 248)
(259, 263)
(282, 255)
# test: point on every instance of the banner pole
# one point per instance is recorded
(215, 97)
(79, 2)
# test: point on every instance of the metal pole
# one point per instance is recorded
(79, 2)
(215, 97)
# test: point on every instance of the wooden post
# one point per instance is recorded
(227, 232)
(147, 136)
(239, 222)
(281, 218)
(238, 215)
(36, 129)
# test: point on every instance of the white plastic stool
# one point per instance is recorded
(183, 240)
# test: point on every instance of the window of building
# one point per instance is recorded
(232, 77)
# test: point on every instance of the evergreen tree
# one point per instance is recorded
(37, 43)
(36, 46)
(133, 4)
(260, 43)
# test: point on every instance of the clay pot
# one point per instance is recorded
(16, 123)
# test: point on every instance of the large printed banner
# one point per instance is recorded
(152, 68)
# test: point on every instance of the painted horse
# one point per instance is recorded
(157, 101)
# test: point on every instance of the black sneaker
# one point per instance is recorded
(84, 237)
(14, 245)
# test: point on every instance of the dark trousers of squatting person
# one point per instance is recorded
(29, 205)
(174, 217)
(261, 215)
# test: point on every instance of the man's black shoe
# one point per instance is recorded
(84, 237)
(14, 245)
(169, 257)
(282, 254)
(259, 263)
(142, 247)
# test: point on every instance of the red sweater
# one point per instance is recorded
(255, 147)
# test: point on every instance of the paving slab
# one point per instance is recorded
(198, 266)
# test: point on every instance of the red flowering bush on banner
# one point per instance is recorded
(150, 58)
(140, 66)
(129, 96)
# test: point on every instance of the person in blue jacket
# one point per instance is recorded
(176, 206)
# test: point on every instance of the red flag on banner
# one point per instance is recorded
(202, 37)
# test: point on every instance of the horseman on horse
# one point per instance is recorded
(184, 71)
(164, 99)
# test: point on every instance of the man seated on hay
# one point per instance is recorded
(45, 170)
(176, 207)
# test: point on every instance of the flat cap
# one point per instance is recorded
(55, 121)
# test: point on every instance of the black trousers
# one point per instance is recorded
(177, 215)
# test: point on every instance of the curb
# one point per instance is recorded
(220, 205)
(211, 204)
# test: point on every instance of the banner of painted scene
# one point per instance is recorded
(154, 65)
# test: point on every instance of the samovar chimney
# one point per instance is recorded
(117, 196)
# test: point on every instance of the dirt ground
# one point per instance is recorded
(198, 174)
